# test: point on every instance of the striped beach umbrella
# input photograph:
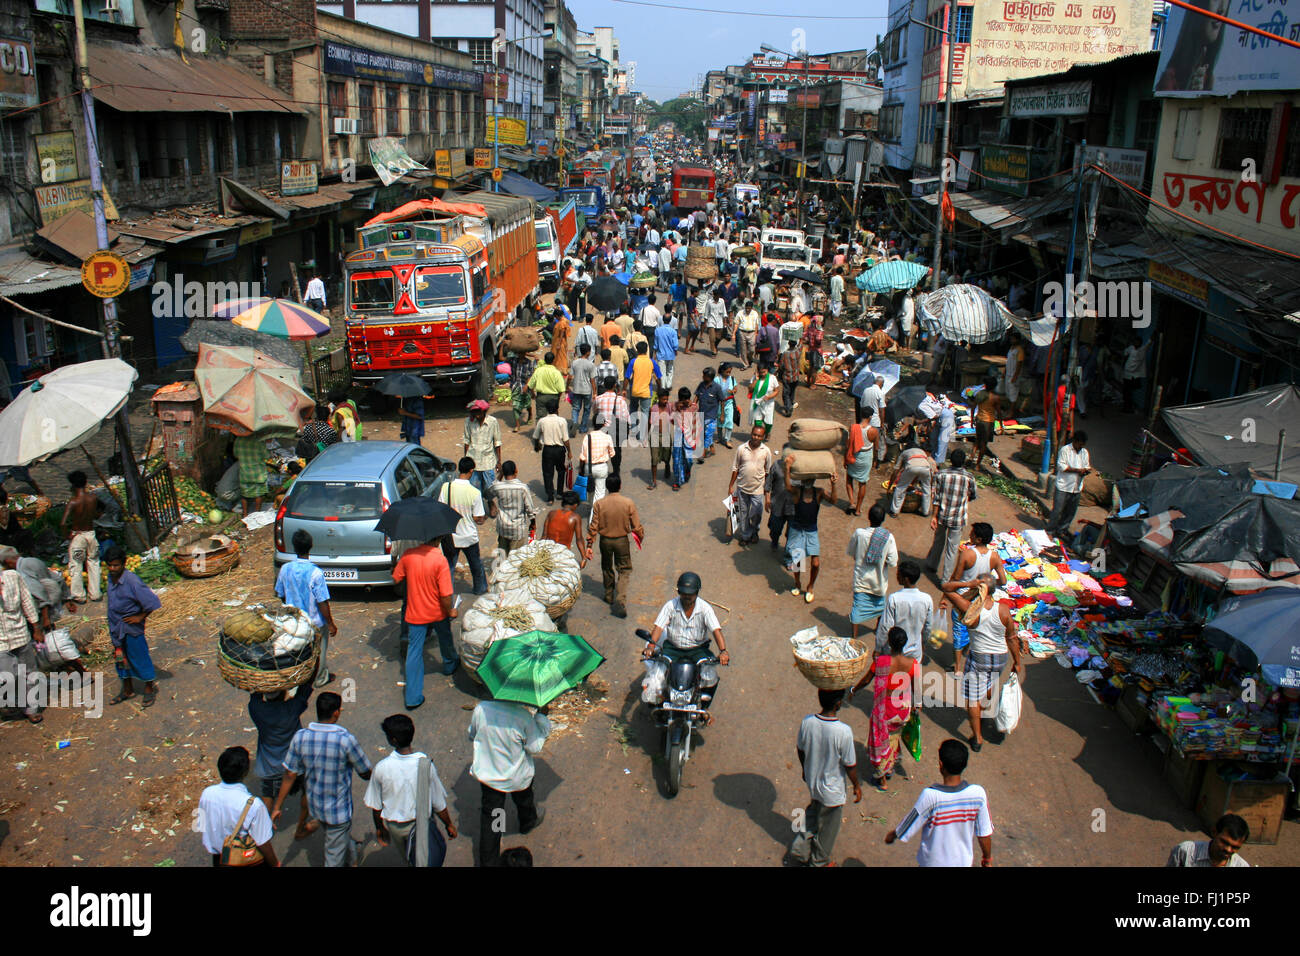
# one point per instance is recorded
(535, 667)
(963, 313)
(891, 276)
(282, 318)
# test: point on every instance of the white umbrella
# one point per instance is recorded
(963, 313)
(63, 409)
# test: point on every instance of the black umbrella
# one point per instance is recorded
(904, 402)
(418, 519)
(402, 385)
(606, 294)
(803, 275)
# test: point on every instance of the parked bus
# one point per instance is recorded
(434, 286)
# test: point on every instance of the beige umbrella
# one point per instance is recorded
(245, 392)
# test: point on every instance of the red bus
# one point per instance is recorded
(692, 187)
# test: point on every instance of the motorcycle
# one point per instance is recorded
(688, 690)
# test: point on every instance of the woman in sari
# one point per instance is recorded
(560, 344)
(762, 392)
(892, 676)
(521, 370)
(729, 416)
(686, 432)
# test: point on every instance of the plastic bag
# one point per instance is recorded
(912, 735)
(655, 682)
(1009, 706)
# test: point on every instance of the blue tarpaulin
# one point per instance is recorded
(517, 185)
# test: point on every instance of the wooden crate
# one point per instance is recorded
(1261, 803)
(1184, 775)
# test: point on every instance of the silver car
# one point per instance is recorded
(341, 494)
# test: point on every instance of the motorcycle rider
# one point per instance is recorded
(686, 623)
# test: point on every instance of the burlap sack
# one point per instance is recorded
(811, 464)
(521, 341)
(817, 434)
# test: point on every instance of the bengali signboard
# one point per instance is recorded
(343, 60)
(56, 155)
(1178, 283)
(1057, 99)
(1005, 169)
(299, 177)
(482, 158)
(450, 163)
(1014, 39)
(59, 199)
(513, 131)
(1198, 56)
(1126, 165)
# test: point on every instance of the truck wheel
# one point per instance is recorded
(484, 379)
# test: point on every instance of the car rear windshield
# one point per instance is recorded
(335, 500)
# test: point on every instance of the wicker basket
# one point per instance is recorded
(647, 281)
(33, 509)
(258, 681)
(835, 675)
(206, 564)
(701, 263)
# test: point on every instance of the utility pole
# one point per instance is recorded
(112, 344)
(1089, 234)
(803, 139)
(935, 266)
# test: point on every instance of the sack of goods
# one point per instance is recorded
(545, 570)
(59, 649)
(267, 647)
(817, 434)
(521, 341)
(811, 465)
(495, 617)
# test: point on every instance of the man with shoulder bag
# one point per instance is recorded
(236, 826)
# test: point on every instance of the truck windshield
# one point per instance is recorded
(439, 288)
(786, 253)
(371, 291)
(585, 197)
(543, 236)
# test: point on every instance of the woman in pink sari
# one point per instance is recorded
(892, 675)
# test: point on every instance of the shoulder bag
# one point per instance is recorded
(580, 482)
(239, 849)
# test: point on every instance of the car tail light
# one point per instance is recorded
(279, 526)
(383, 506)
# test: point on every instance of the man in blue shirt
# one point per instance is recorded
(710, 396)
(277, 718)
(666, 343)
(302, 585)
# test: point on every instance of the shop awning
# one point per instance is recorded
(1212, 430)
(160, 82)
(21, 274)
(518, 185)
(998, 211)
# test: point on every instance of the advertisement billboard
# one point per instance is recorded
(1201, 56)
(1014, 39)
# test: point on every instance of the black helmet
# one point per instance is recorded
(688, 583)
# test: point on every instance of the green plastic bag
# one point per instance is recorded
(912, 735)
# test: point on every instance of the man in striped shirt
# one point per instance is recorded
(950, 816)
(611, 414)
(513, 506)
(954, 488)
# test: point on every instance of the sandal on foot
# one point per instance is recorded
(149, 699)
(796, 591)
(119, 698)
(808, 597)
(35, 718)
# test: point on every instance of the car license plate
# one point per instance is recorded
(340, 574)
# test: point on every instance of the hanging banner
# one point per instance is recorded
(59, 200)
(1199, 56)
(1126, 165)
(513, 131)
(299, 177)
(343, 60)
(1005, 169)
(56, 155)
(1057, 99)
(391, 161)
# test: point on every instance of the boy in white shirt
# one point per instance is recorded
(950, 816)
(394, 785)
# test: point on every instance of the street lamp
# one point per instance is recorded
(803, 138)
(496, 102)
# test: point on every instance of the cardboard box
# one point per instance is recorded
(1261, 803)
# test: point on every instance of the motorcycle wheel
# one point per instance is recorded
(676, 735)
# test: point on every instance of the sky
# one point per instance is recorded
(673, 47)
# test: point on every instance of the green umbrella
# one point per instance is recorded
(536, 667)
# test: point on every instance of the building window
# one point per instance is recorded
(1291, 148)
(480, 52)
(964, 17)
(194, 145)
(338, 102)
(1243, 134)
(13, 150)
(255, 142)
(447, 43)
(366, 106)
(392, 111)
(33, 341)
(221, 142)
(462, 126)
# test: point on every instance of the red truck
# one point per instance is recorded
(556, 233)
(692, 187)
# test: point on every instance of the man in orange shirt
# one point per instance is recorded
(608, 331)
(429, 597)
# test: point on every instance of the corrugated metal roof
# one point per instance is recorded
(182, 226)
(159, 82)
(20, 274)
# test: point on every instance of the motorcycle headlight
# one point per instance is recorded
(708, 674)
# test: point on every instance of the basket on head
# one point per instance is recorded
(257, 681)
(835, 675)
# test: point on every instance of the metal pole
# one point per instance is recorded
(496, 130)
(1277, 465)
(803, 139)
(1089, 233)
(937, 263)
